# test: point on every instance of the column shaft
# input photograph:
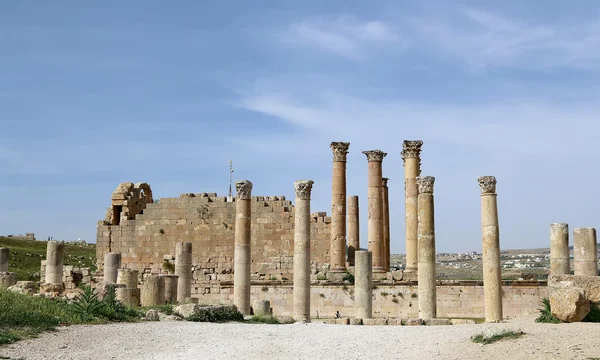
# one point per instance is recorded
(585, 253)
(129, 277)
(301, 305)
(183, 269)
(559, 249)
(426, 241)
(363, 285)
(54, 262)
(170, 288)
(153, 291)
(492, 283)
(338, 207)
(375, 219)
(412, 168)
(353, 229)
(4, 255)
(112, 264)
(241, 273)
(386, 225)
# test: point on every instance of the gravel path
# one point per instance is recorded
(185, 340)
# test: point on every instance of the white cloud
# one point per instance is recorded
(346, 36)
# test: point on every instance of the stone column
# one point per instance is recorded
(353, 228)
(301, 310)
(338, 207)
(170, 288)
(4, 252)
(183, 269)
(426, 242)
(129, 277)
(492, 284)
(112, 263)
(375, 223)
(363, 285)
(386, 224)
(585, 253)
(412, 168)
(153, 291)
(241, 273)
(54, 262)
(559, 249)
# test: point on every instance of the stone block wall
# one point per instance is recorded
(72, 275)
(454, 300)
(208, 221)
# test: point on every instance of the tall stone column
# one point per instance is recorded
(183, 269)
(375, 223)
(585, 252)
(112, 264)
(353, 229)
(338, 206)
(559, 249)
(492, 284)
(386, 223)
(241, 273)
(54, 262)
(411, 153)
(301, 310)
(426, 241)
(4, 253)
(363, 285)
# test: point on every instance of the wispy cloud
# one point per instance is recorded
(344, 35)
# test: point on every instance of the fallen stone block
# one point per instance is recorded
(569, 304)
(188, 310)
(589, 284)
(357, 321)
(437, 322)
(7, 279)
(374, 321)
(414, 322)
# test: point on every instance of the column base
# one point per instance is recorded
(378, 269)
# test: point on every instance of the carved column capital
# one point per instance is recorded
(385, 181)
(487, 184)
(425, 184)
(374, 155)
(340, 150)
(411, 149)
(303, 188)
(243, 188)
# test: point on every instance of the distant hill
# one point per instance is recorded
(25, 256)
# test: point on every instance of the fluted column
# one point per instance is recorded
(386, 223)
(559, 249)
(301, 306)
(241, 273)
(183, 269)
(585, 252)
(375, 223)
(353, 229)
(492, 284)
(426, 241)
(54, 261)
(338, 206)
(412, 168)
(363, 285)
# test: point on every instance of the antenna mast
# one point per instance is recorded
(230, 180)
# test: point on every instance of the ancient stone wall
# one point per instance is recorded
(208, 221)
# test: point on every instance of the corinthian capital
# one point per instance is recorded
(411, 148)
(487, 184)
(243, 188)
(340, 150)
(425, 184)
(303, 188)
(374, 155)
(385, 181)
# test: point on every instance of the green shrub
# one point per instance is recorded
(264, 319)
(216, 314)
(488, 339)
(168, 266)
(594, 314)
(87, 305)
(167, 309)
(348, 277)
(546, 313)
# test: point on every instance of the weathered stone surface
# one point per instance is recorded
(414, 322)
(436, 322)
(589, 284)
(569, 304)
(188, 310)
(261, 307)
(23, 287)
(356, 321)
(375, 321)
(463, 322)
(47, 288)
(152, 315)
(7, 279)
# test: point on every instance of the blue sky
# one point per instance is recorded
(94, 94)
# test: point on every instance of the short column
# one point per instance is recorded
(153, 291)
(338, 207)
(559, 249)
(492, 284)
(412, 168)
(112, 264)
(183, 269)
(4, 255)
(585, 253)
(353, 228)
(170, 288)
(54, 262)
(301, 305)
(426, 242)
(375, 223)
(363, 285)
(241, 272)
(129, 277)
(386, 223)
